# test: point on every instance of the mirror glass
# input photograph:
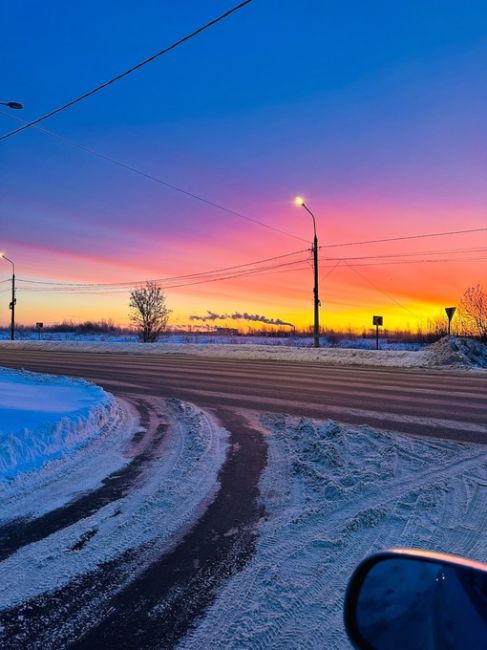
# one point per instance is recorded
(422, 604)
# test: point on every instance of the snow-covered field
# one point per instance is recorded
(333, 495)
(356, 342)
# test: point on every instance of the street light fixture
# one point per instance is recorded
(16, 105)
(316, 333)
(14, 300)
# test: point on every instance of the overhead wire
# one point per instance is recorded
(156, 179)
(421, 236)
(132, 69)
(175, 277)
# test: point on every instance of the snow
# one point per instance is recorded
(467, 353)
(164, 502)
(44, 417)
(453, 352)
(333, 495)
(219, 339)
(238, 351)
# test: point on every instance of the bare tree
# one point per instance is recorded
(149, 312)
(473, 311)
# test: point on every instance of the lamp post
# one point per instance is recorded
(316, 329)
(16, 106)
(14, 300)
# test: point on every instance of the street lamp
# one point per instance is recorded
(14, 300)
(16, 105)
(316, 334)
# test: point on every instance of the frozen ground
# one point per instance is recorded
(333, 495)
(453, 352)
(44, 417)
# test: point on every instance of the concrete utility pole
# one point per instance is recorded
(13, 300)
(16, 106)
(316, 298)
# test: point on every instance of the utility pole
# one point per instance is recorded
(16, 106)
(12, 307)
(316, 298)
(13, 300)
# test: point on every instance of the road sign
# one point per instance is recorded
(39, 325)
(378, 321)
(449, 312)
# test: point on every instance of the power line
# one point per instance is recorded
(122, 289)
(422, 236)
(454, 251)
(129, 71)
(372, 284)
(174, 277)
(155, 179)
(258, 263)
(275, 268)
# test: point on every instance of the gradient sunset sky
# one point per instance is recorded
(375, 112)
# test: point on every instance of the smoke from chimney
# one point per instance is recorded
(255, 318)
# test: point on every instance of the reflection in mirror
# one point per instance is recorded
(422, 605)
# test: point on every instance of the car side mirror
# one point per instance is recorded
(405, 599)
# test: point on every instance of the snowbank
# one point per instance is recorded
(448, 352)
(43, 417)
(333, 495)
(345, 356)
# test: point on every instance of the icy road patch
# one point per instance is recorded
(43, 417)
(333, 495)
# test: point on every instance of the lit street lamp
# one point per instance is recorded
(14, 300)
(15, 105)
(316, 334)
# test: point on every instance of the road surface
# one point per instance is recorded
(166, 596)
(449, 404)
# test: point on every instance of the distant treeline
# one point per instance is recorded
(428, 333)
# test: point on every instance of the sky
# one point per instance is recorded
(373, 112)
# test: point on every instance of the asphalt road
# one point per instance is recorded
(165, 597)
(448, 404)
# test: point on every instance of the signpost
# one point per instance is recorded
(450, 311)
(39, 327)
(378, 321)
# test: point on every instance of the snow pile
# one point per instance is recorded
(459, 353)
(43, 417)
(333, 495)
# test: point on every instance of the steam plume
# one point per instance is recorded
(256, 318)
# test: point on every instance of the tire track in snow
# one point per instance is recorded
(21, 532)
(334, 495)
(151, 595)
